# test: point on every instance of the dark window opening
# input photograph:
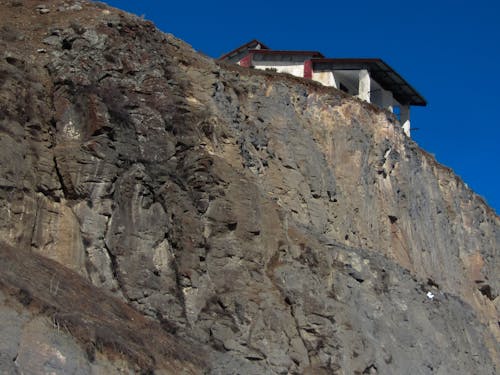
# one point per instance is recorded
(343, 88)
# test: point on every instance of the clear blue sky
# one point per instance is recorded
(449, 50)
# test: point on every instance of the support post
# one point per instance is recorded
(308, 69)
(404, 118)
(364, 85)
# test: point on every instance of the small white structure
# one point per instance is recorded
(371, 80)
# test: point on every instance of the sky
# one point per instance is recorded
(448, 50)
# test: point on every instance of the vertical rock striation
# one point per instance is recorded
(269, 223)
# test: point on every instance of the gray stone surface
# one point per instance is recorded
(281, 225)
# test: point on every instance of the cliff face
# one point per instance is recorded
(204, 218)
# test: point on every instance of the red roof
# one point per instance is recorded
(286, 52)
(243, 47)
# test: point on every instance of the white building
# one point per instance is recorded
(371, 80)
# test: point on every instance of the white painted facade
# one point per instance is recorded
(294, 68)
(325, 78)
(364, 85)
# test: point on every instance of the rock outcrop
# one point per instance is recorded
(161, 212)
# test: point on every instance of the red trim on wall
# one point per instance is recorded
(308, 69)
(247, 61)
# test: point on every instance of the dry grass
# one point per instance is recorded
(97, 320)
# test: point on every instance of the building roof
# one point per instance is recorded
(386, 77)
(314, 54)
(251, 45)
(263, 49)
(382, 73)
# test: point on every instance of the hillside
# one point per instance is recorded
(164, 213)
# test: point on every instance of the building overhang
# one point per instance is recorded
(379, 71)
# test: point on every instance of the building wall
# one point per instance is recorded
(347, 80)
(381, 97)
(325, 78)
(291, 67)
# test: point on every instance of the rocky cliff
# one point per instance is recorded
(163, 213)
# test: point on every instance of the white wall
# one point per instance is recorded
(325, 78)
(294, 68)
(364, 85)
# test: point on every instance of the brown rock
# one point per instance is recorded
(220, 218)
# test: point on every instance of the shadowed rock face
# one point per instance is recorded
(206, 218)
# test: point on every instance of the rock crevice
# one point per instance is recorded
(276, 225)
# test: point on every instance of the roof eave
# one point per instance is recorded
(242, 47)
(314, 54)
